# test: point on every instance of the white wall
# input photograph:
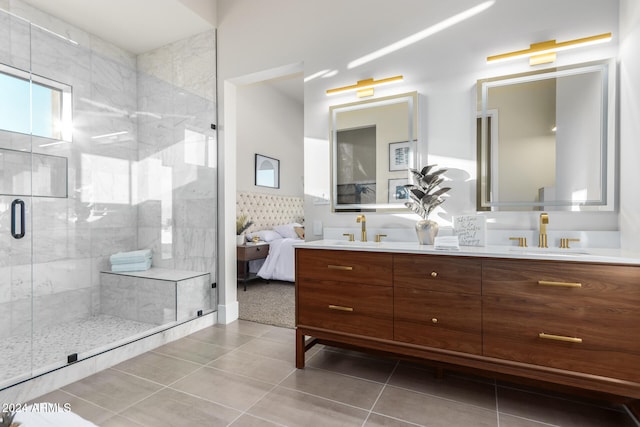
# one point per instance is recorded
(269, 123)
(255, 35)
(629, 124)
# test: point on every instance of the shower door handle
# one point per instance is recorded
(17, 219)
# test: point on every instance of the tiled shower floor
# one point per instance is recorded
(53, 344)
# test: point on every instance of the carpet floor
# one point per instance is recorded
(270, 303)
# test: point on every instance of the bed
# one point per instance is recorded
(277, 220)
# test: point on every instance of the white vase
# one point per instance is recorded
(427, 231)
(240, 239)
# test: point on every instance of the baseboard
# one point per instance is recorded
(228, 313)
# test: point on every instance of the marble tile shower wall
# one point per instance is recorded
(176, 91)
(72, 237)
(154, 186)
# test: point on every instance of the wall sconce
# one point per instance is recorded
(545, 52)
(365, 87)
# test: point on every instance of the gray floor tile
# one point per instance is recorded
(253, 365)
(272, 349)
(173, 408)
(86, 410)
(342, 388)
(432, 411)
(216, 374)
(225, 388)
(361, 367)
(222, 337)
(245, 327)
(292, 408)
(251, 421)
(377, 420)
(283, 335)
(451, 387)
(560, 412)
(193, 350)
(512, 421)
(120, 421)
(112, 390)
(157, 367)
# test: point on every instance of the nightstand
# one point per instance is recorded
(246, 253)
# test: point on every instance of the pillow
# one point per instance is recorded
(287, 230)
(264, 235)
(300, 232)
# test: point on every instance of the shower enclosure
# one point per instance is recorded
(101, 151)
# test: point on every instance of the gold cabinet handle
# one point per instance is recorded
(561, 284)
(340, 267)
(434, 320)
(434, 274)
(559, 338)
(340, 308)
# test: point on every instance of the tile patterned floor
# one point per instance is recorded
(49, 347)
(243, 375)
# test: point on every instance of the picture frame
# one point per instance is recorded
(399, 154)
(267, 171)
(398, 193)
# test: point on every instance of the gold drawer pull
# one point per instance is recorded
(434, 320)
(562, 284)
(339, 267)
(434, 274)
(340, 308)
(559, 338)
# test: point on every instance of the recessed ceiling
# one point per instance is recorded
(137, 26)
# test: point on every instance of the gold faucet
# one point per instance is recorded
(542, 239)
(362, 219)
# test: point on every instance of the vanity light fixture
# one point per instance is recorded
(545, 52)
(365, 87)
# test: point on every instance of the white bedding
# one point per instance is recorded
(280, 263)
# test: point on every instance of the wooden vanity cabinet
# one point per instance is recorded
(437, 302)
(565, 322)
(345, 291)
(572, 316)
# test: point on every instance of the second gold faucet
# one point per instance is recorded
(542, 238)
(362, 219)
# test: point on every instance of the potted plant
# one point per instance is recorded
(242, 224)
(425, 197)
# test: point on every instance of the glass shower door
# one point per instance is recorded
(16, 309)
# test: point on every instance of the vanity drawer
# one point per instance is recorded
(438, 273)
(346, 307)
(438, 319)
(602, 339)
(344, 266)
(581, 283)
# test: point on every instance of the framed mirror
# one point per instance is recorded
(373, 145)
(546, 140)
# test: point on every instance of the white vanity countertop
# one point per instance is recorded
(614, 256)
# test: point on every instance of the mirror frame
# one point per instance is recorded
(411, 98)
(606, 202)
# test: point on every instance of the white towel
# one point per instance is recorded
(132, 266)
(141, 255)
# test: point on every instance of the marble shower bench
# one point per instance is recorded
(157, 295)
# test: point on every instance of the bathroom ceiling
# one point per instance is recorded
(135, 25)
